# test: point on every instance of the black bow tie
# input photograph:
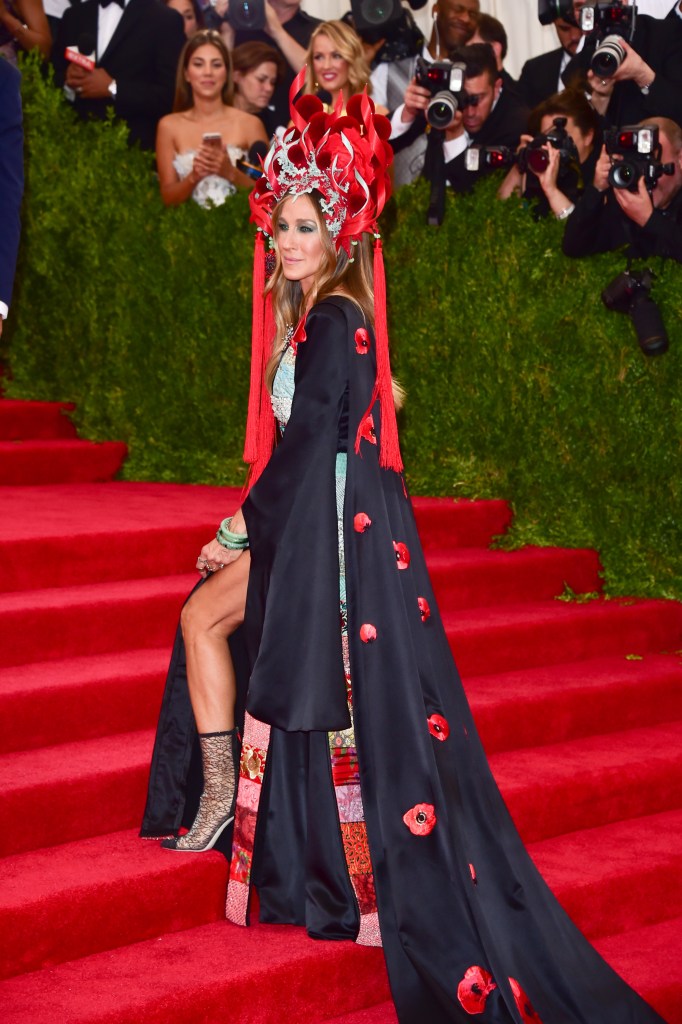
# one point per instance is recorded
(105, 3)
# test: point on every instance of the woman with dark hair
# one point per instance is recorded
(365, 808)
(257, 68)
(191, 13)
(199, 144)
(558, 182)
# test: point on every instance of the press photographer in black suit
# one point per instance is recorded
(607, 218)
(488, 115)
(542, 77)
(137, 44)
(649, 81)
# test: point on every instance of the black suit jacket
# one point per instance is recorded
(599, 225)
(142, 57)
(540, 77)
(11, 174)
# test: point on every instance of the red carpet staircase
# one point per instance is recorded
(579, 706)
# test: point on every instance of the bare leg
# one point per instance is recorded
(210, 616)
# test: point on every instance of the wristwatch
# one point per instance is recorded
(111, 88)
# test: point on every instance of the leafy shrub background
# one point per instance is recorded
(520, 383)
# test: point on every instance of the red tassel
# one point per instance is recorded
(260, 423)
(389, 452)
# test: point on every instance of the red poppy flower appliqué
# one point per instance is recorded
(299, 334)
(424, 609)
(368, 633)
(361, 522)
(474, 989)
(402, 554)
(367, 431)
(523, 1004)
(438, 727)
(362, 341)
(421, 819)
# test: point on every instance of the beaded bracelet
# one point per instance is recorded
(230, 540)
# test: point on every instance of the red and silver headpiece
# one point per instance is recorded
(344, 157)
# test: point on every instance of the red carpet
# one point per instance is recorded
(579, 705)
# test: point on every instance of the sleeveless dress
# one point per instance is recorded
(212, 190)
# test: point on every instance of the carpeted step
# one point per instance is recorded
(59, 461)
(509, 637)
(21, 420)
(49, 702)
(75, 790)
(118, 886)
(618, 877)
(59, 794)
(121, 530)
(565, 786)
(82, 698)
(474, 578)
(104, 532)
(459, 522)
(101, 893)
(91, 619)
(555, 703)
(650, 960)
(95, 619)
(219, 972)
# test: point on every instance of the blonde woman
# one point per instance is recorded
(336, 63)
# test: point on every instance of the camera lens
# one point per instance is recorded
(376, 12)
(649, 326)
(608, 57)
(441, 110)
(623, 174)
(538, 160)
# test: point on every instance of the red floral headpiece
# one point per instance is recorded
(345, 157)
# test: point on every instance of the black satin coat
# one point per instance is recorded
(467, 894)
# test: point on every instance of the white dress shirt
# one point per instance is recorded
(107, 23)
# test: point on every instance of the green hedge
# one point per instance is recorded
(520, 384)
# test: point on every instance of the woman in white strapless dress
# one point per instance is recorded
(199, 144)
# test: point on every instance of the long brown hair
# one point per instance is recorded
(184, 100)
(338, 275)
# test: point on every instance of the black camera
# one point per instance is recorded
(630, 293)
(640, 150)
(534, 157)
(550, 10)
(444, 80)
(608, 24)
(245, 15)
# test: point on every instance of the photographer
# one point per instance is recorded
(543, 76)
(486, 115)
(454, 22)
(647, 82)
(559, 178)
(649, 222)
